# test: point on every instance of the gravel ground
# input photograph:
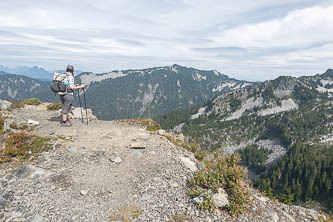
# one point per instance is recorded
(92, 173)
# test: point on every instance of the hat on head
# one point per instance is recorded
(70, 68)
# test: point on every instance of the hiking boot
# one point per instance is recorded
(66, 124)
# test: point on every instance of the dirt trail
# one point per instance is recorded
(92, 172)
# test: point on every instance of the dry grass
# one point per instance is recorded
(54, 106)
(126, 214)
(149, 124)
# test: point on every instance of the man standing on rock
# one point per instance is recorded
(68, 97)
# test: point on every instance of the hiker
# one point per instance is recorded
(68, 97)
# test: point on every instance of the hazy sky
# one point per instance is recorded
(245, 39)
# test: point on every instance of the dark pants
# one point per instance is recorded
(66, 102)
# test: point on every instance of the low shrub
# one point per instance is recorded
(126, 214)
(20, 104)
(20, 145)
(13, 126)
(32, 101)
(54, 106)
(221, 173)
(2, 122)
(192, 147)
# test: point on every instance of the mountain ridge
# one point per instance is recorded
(32, 72)
(291, 117)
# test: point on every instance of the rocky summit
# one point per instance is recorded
(110, 171)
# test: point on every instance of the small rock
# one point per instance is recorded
(137, 146)
(52, 187)
(51, 132)
(289, 217)
(198, 200)
(261, 198)
(207, 219)
(37, 218)
(173, 184)
(161, 132)
(116, 160)
(3, 203)
(314, 214)
(273, 217)
(189, 164)
(33, 122)
(220, 199)
(84, 192)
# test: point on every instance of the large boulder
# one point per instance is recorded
(4, 105)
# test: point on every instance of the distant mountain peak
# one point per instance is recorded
(32, 72)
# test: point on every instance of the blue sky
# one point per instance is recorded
(245, 39)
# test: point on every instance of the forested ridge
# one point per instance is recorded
(304, 173)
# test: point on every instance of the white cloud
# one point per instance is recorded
(242, 38)
(300, 28)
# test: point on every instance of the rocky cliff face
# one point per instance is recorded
(95, 173)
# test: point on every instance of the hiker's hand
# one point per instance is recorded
(82, 85)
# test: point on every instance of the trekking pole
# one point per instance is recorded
(78, 93)
(85, 104)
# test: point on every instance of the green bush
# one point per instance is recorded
(221, 173)
(31, 101)
(54, 106)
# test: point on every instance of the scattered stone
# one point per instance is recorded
(189, 164)
(272, 217)
(84, 192)
(3, 203)
(37, 218)
(116, 159)
(137, 146)
(220, 199)
(208, 219)
(52, 188)
(313, 214)
(198, 200)
(290, 218)
(33, 122)
(161, 132)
